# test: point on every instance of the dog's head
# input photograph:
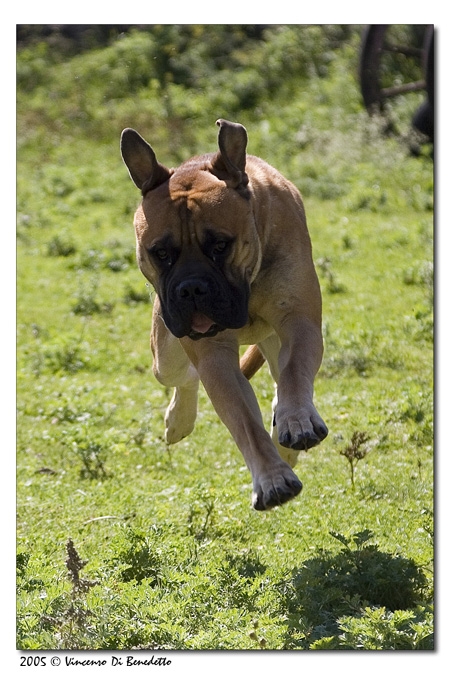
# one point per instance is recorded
(196, 236)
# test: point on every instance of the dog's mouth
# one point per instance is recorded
(203, 326)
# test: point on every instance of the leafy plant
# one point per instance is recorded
(330, 586)
(60, 246)
(133, 296)
(87, 303)
(355, 451)
(63, 354)
(140, 558)
(74, 565)
(201, 513)
(380, 578)
(324, 264)
(379, 629)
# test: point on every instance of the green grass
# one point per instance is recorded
(176, 557)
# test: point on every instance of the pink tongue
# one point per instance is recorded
(201, 323)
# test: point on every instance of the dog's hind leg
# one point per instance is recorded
(172, 367)
(181, 414)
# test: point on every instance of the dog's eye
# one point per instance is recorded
(217, 246)
(220, 247)
(161, 254)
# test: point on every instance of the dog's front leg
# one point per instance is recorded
(172, 367)
(217, 363)
(298, 423)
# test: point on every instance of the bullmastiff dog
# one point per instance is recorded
(223, 241)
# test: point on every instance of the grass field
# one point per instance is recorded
(125, 543)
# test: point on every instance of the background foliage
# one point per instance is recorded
(176, 557)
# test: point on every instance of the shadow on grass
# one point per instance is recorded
(360, 590)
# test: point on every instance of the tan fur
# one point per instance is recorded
(240, 198)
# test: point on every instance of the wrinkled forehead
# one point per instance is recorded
(196, 186)
(189, 196)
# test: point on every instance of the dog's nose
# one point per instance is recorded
(192, 288)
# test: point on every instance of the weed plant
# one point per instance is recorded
(177, 559)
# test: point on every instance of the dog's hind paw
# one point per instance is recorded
(180, 415)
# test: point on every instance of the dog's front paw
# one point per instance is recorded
(302, 430)
(275, 488)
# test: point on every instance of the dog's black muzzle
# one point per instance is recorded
(201, 305)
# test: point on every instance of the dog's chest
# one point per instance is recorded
(256, 330)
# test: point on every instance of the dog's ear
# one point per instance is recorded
(229, 163)
(145, 171)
